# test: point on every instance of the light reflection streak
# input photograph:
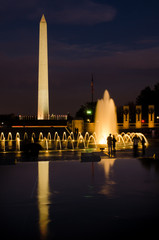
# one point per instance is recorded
(107, 188)
(10, 144)
(43, 198)
(107, 164)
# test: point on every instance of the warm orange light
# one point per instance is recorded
(38, 126)
(43, 197)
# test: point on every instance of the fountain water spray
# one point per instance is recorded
(105, 118)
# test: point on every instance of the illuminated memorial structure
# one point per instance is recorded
(43, 88)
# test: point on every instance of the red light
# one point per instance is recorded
(142, 120)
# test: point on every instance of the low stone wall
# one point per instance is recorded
(90, 127)
(78, 124)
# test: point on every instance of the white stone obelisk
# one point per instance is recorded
(43, 88)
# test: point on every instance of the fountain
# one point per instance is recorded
(105, 124)
(105, 119)
(52, 141)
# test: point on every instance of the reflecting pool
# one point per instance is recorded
(113, 198)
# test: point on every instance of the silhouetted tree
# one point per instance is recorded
(120, 114)
(87, 111)
(132, 112)
(147, 97)
(156, 99)
(132, 115)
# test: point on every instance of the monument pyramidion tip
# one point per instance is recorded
(43, 19)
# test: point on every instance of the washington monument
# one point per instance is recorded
(43, 88)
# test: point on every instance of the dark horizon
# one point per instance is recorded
(116, 42)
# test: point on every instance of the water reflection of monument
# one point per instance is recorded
(43, 197)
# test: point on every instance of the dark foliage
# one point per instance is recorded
(147, 97)
(82, 112)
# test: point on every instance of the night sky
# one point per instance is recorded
(116, 41)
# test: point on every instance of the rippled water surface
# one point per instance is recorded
(72, 199)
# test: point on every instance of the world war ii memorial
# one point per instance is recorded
(74, 178)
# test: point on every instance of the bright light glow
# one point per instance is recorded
(105, 118)
(43, 89)
(89, 112)
(108, 163)
(43, 197)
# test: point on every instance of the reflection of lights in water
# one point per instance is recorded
(10, 144)
(17, 144)
(43, 197)
(3, 145)
(107, 164)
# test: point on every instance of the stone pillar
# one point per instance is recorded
(138, 116)
(151, 116)
(125, 117)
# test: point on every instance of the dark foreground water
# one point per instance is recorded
(111, 199)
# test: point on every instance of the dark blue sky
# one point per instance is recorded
(117, 41)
